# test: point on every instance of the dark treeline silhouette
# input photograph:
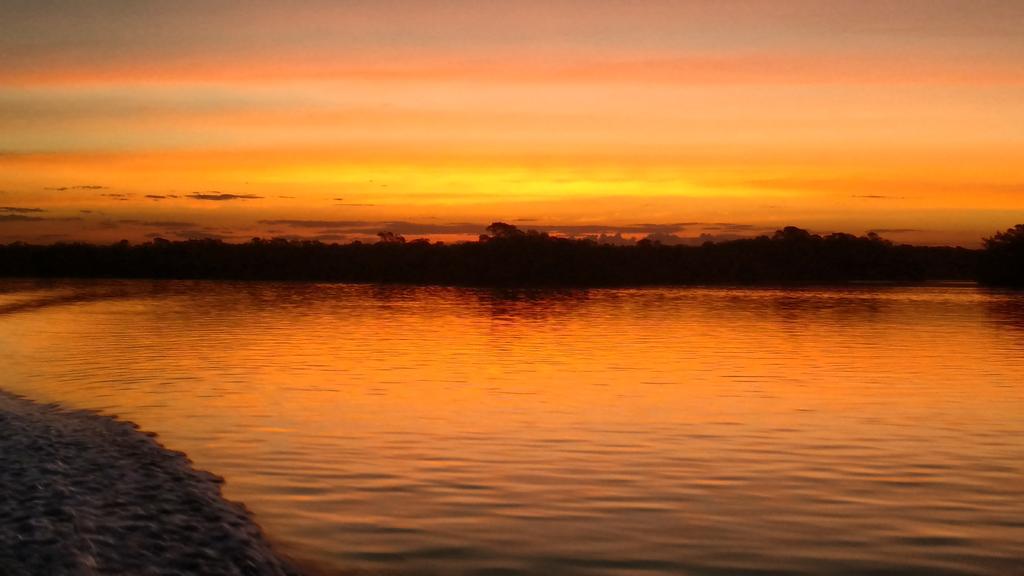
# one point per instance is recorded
(1002, 263)
(509, 256)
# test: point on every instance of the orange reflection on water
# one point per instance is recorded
(576, 432)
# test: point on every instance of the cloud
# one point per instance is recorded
(316, 223)
(117, 196)
(341, 202)
(662, 68)
(192, 234)
(472, 228)
(895, 230)
(24, 218)
(159, 223)
(880, 189)
(730, 226)
(219, 197)
(330, 237)
(19, 210)
(79, 187)
(671, 228)
(372, 227)
(574, 229)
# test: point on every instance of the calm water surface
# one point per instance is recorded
(391, 430)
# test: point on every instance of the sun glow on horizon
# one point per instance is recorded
(831, 116)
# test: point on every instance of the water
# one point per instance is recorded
(394, 430)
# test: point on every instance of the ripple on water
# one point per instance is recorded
(400, 430)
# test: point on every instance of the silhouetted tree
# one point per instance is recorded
(502, 231)
(793, 234)
(387, 237)
(1003, 261)
(510, 256)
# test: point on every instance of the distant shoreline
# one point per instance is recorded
(512, 258)
(89, 494)
(509, 257)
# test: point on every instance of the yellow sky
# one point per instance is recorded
(327, 119)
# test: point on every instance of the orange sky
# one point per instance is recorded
(121, 119)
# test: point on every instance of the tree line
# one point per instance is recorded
(508, 256)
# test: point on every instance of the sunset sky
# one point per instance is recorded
(336, 119)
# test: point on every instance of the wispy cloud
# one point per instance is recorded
(158, 223)
(79, 187)
(19, 218)
(19, 210)
(895, 230)
(472, 228)
(195, 234)
(25, 218)
(220, 196)
(693, 69)
(372, 227)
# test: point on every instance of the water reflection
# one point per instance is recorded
(1006, 310)
(659, 431)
